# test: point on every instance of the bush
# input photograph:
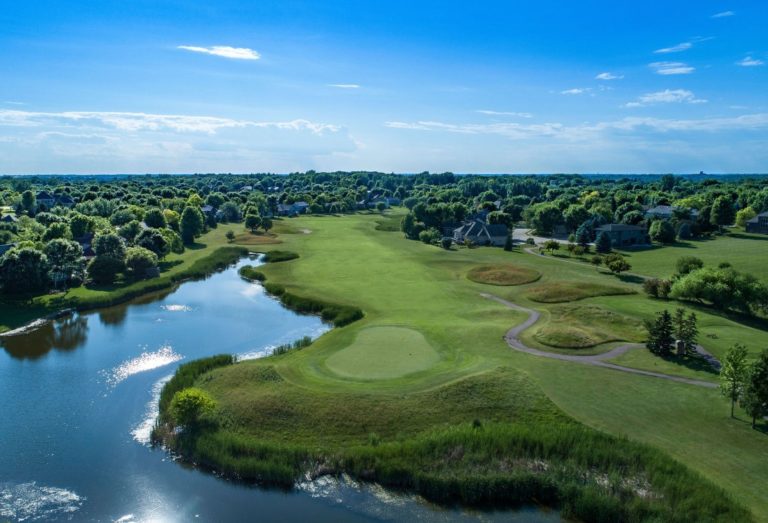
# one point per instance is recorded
(616, 263)
(723, 288)
(189, 405)
(688, 264)
(657, 288)
(299, 344)
(279, 256)
(250, 273)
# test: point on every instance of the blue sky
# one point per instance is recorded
(243, 86)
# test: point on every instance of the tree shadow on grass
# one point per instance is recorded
(630, 278)
(196, 246)
(692, 362)
(742, 318)
(742, 236)
(168, 264)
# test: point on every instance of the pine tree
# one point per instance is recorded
(660, 339)
(508, 245)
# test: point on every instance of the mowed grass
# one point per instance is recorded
(503, 274)
(582, 326)
(425, 288)
(384, 352)
(689, 367)
(746, 252)
(567, 291)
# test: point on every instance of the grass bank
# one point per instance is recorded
(427, 357)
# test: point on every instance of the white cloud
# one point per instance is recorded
(225, 51)
(671, 68)
(345, 86)
(504, 113)
(675, 48)
(748, 61)
(724, 14)
(516, 131)
(135, 122)
(608, 76)
(666, 96)
(577, 90)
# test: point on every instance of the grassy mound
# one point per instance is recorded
(279, 256)
(383, 353)
(487, 440)
(579, 327)
(503, 274)
(250, 238)
(565, 291)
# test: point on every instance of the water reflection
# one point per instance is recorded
(64, 334)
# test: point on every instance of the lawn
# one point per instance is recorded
(426, 330)
(746, 252)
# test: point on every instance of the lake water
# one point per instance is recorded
(78, 399)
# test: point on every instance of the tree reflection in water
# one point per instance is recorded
(63, 334)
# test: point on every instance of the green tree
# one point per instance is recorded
(603, 243)
(755, 397)
(584, 234)
(686, 329)
(446, 243)
(616, 263)
(28, 202)
(155, 218)
(252, 221)
(191, 225)
(230, 236)
(103, 270)
(266, 224)
(138, 260)
(722, 212)
(408, 226)
(80, 225)
(734, 373)
(544, 217)
(189, 405)
(662, 231)
(109, 245)
(24, 270)
(66, 262)
(56, 230)
(744, 215)
(660, 339)
(129, 231)
(153, 240)
(551, 245)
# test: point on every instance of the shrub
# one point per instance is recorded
(189, 405)
(723, 288)
(250, 273)
(279, 256)
(657, 288)
(616, 263)
(299, 344)
(688, 264)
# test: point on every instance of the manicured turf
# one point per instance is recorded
(586, 325)
(424, 288)
(690, 367)
(384, 352)
(561, 292)
(746, 252)
(503, 274)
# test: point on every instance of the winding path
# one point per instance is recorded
(598, 360)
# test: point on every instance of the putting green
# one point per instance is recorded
(383, 353)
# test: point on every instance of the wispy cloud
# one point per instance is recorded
(748, 61)
(608, 76)
(136, 122)
(723, 14)
(577, 90)
(667, 96)
(13, 102)
(224, 51)
(516, 131)
(671, 68)
(345, 86)
(504, 113)
(684, 46)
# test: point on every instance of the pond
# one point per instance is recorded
(79, 398)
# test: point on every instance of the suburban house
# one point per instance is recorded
(292, 209)
(8, 218)
(86, 242)
(758, 224)
(46, 200)
(665, 212)
(480, 233)
(625, 235)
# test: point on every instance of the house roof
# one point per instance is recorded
(8, 218)
(661, 209)
(756, 219)
(44, 195)
(65, 198)
(620, 227)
